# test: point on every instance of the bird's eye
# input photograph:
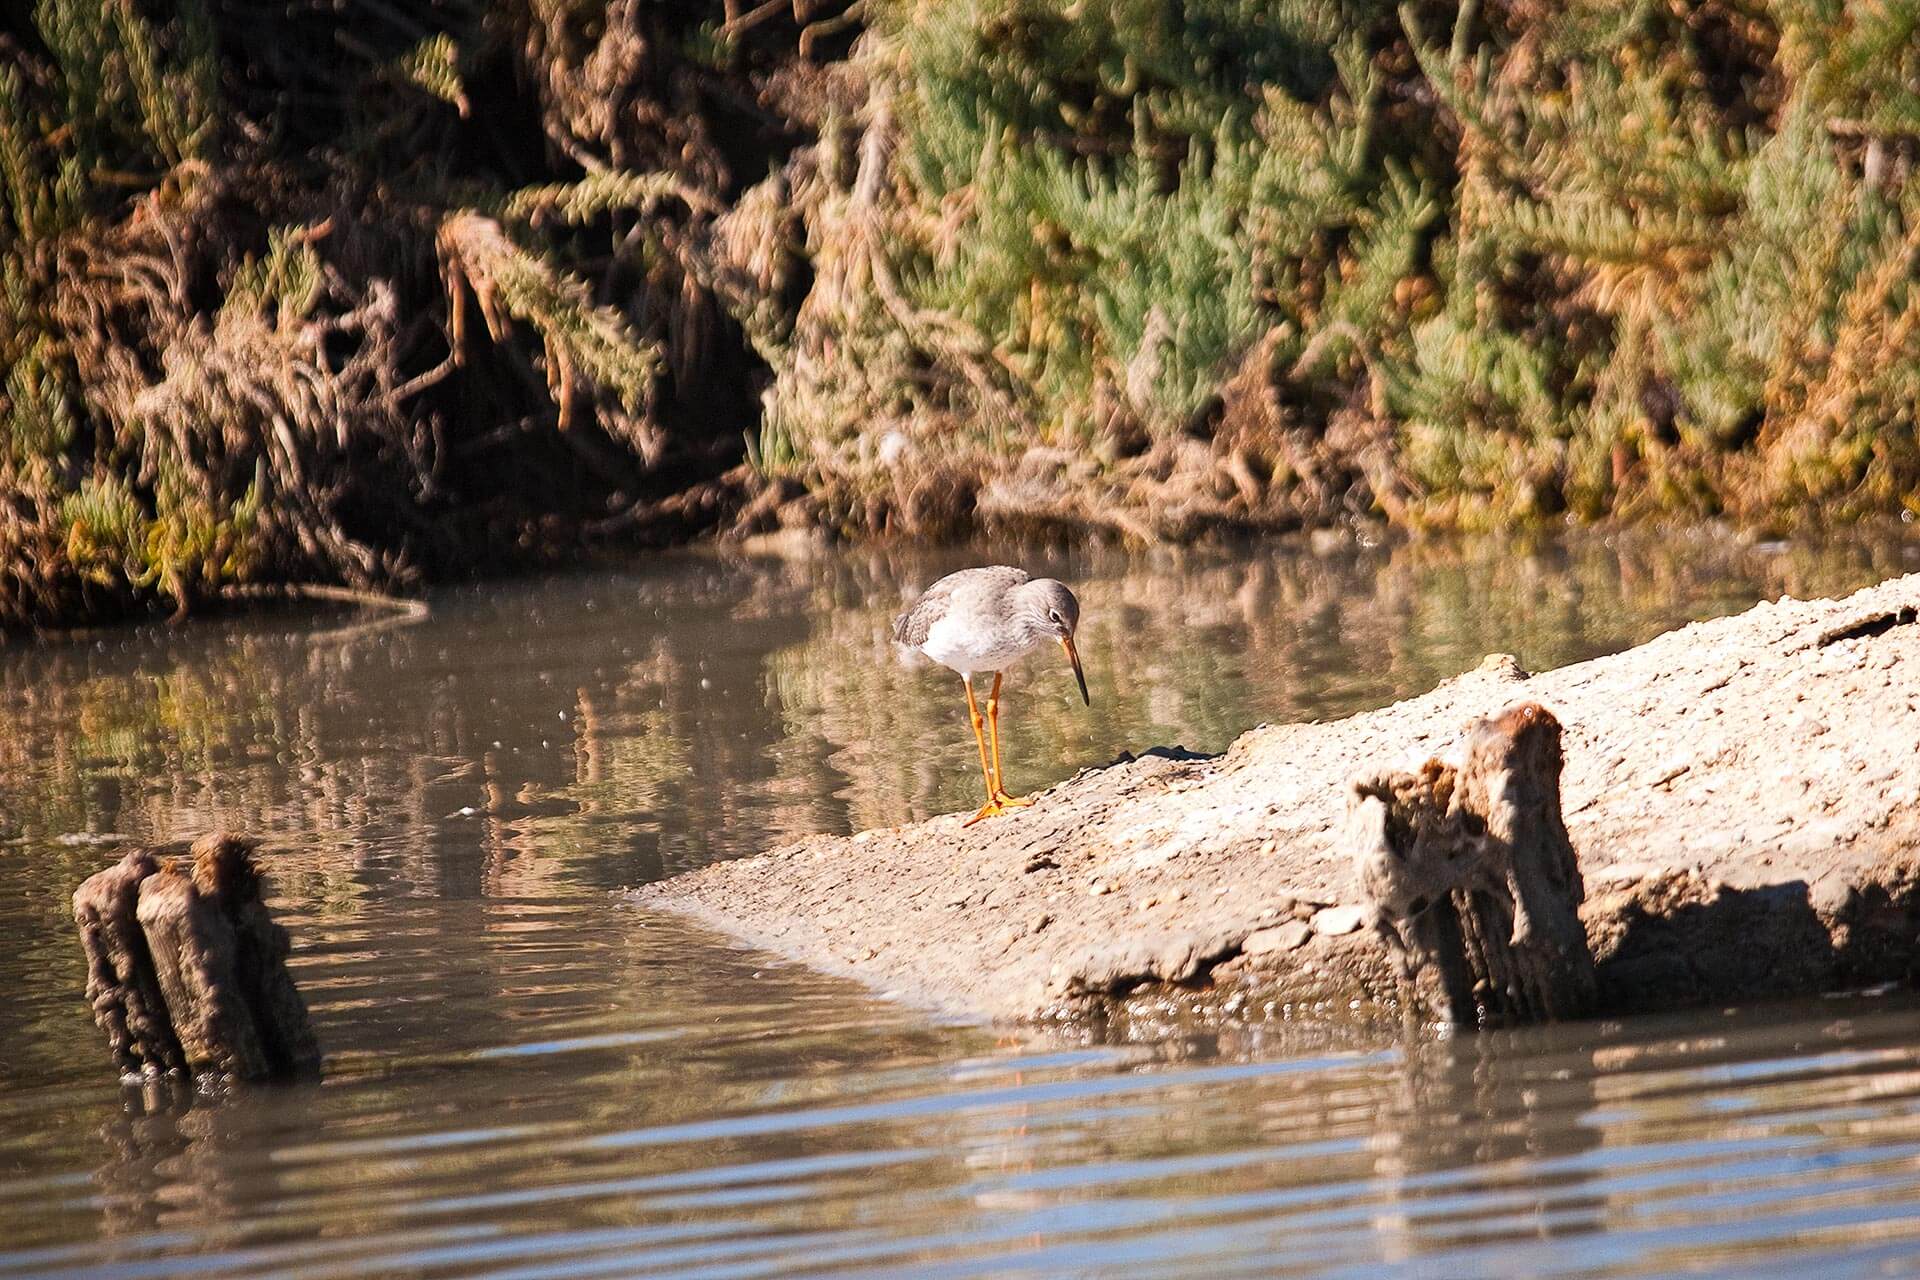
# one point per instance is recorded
(1054, 615)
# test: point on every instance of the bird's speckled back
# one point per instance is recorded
(911, 627)
(986, 619)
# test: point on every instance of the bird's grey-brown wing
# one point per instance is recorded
(911, 627)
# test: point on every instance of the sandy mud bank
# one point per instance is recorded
(1742, 798)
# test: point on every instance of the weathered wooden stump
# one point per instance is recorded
(121, 985)
(186, 971)
(1471, 880)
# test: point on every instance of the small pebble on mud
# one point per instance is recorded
(1286, 937)
(1334, 921)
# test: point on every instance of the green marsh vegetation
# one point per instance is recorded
(393, 292)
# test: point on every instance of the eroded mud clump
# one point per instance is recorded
(1471, 880)
(186, 970)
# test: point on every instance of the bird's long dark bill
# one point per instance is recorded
(1073, 656)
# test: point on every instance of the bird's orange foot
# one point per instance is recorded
(998, 804)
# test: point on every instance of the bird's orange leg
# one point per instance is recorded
(991, 807)
(993, 726)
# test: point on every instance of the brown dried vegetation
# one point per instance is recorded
(376, 292)
(241, 253)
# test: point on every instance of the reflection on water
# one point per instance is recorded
(527, 1078)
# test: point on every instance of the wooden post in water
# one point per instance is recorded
(121, 985)
(1471, 880)
(187, 972)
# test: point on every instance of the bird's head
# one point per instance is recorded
(1053, 611)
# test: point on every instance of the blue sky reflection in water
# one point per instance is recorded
(528, 1078)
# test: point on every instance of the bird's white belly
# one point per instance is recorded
(967, 650)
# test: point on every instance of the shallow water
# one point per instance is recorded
(527, 1077)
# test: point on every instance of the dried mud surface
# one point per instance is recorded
(1743, 796)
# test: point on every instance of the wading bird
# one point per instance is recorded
(984, 620)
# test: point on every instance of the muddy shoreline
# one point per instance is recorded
(1743, 796)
